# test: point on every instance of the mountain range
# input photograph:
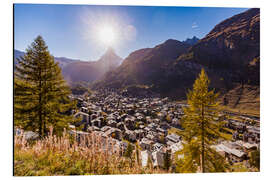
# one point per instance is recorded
(89, 71)
(63, 61)
(230, 54)
(75, 70)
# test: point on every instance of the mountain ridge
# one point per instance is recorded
(75, 70)
(229, 53)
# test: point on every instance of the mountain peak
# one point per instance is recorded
(110, 50)
(191, 41)
(110, 58)
(109, 54)
(170, 41)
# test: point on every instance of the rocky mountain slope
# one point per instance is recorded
(232, 45)
(91, 70)
(144, 66)
(192, 41)
(230, 53)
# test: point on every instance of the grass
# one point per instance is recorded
(63, 156)
(237, 110)
(226, 135)
(240, 167)
(250, 112)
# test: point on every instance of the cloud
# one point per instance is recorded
(194, 25)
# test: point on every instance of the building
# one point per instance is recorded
(145, 157)
(158, 158)
(84, 116)
(173, 137)
(232, 154)
(146, 144)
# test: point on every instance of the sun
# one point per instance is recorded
(107, 35)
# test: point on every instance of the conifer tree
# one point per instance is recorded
(167, 160)
(201, 130)
(129, 151)
(255, 159)
(40, 92)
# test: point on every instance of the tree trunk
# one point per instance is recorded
(40, 107)
(203, 169)
(40, 117)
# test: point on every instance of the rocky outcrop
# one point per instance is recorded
(231, 45)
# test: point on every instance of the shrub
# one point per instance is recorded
(63, 155)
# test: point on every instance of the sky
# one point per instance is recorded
(81, 31)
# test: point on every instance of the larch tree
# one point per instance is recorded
(201, 130)
(40, 92)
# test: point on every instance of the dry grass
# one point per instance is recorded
(64, 156)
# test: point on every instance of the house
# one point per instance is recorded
(254, 130)
(146, 144)
(139, 133)
(141, 126)
(137, 115)
(158, 147)
(235, 136)
(161, 115)
(121, 126)
(164, 125)
(176, 147)
(164, 132)
(147, 129)
(83, 116)
(71, 126)
(158, 158)
(236, 125)
(156, 120)
(151, 136)
(153, 126)
(232, 154)
(148, 119)
(169, 143)
(79, 135)
(112, 123)
(84, 109)
(105, 128)
(245, 136)
(130, 135)
(93, 116)
(95, 128)
(114, 133)
(96, 122)
(111, 118)
(175, 122)
(145, 157)
(248, 147)
(130, 122)
(173, 137)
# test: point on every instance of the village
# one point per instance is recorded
(154, 124)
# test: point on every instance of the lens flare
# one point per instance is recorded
(107, 35)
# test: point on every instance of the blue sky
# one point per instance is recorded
(73, 31)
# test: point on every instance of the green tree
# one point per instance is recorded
(201, 129)
(40, 92)
(255, 159)
(167, 160)
(129, 151)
